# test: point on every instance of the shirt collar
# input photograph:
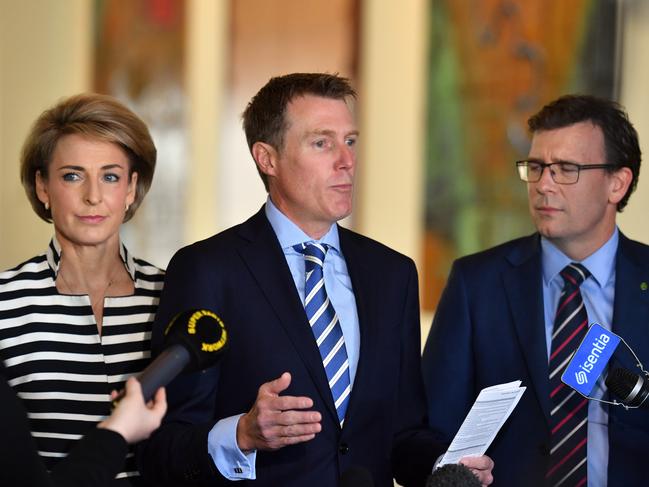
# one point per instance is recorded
(601, 264)
(289, 234)
(54, 257)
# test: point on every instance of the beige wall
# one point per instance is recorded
(635, 96)
(44, 55)
(205, 78)
(392, 116)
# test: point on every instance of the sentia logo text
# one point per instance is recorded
(590, 359)
(599, 346)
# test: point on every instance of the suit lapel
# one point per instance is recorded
(631, 306)
(525, 295)
(266, 262)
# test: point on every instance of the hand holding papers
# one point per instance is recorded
(489, 412)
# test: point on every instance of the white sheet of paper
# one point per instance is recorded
(490, 410)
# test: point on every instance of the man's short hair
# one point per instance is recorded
(621, 145)
(264, 119)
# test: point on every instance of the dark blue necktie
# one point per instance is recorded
(325, 326)
(569, 413)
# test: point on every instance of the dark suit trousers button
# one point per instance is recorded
(343, 448)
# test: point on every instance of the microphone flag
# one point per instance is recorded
(590, 359)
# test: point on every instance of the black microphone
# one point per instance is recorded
(630, 388)
(453, 475)
(356, 477)
(193, 340)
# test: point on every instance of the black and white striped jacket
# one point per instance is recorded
(54, 357)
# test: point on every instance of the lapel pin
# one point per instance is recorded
(644, 286)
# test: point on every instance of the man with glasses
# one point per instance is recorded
(519, 310)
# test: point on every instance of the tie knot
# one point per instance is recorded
(314, 252)
(574, 274)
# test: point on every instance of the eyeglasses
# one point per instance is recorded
(561, 172)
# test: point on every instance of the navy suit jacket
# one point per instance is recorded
(489, 329)
(242, 275)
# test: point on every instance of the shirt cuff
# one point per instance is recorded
(222, 446)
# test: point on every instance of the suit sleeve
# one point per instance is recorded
(416, 447)
(177, 453)
(95, 460)
(448, 359)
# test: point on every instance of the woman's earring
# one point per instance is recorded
(47, 206)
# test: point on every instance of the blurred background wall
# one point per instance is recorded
(189, 67)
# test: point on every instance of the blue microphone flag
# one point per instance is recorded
(590, 359)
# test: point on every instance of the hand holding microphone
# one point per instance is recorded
(133, 418)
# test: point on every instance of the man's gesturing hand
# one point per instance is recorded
(276, 421)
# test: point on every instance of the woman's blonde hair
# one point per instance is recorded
(95, 116)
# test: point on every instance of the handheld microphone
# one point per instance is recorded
(630, 388)
(453, 475)
(193, 340)
(356, 477)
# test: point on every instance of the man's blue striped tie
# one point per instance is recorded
(325, 326)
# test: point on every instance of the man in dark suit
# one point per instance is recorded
(323, 368)
(517, 311)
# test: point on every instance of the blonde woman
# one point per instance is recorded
(75, 321)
